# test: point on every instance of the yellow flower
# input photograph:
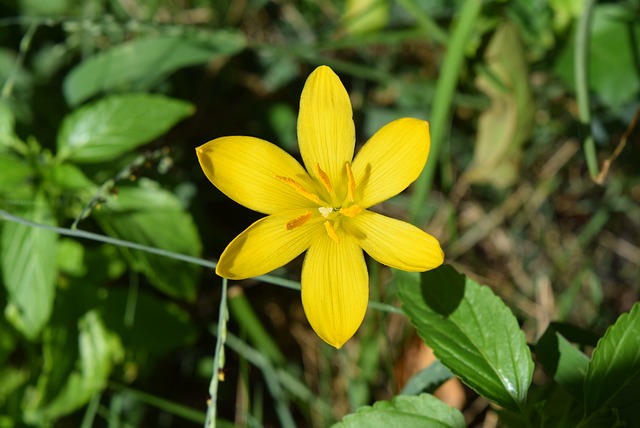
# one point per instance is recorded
(324, 209)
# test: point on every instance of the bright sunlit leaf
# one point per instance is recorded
(423, 410)
(472, 332)
(613, 378)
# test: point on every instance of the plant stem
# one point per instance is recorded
(443, 100)
(582, 85)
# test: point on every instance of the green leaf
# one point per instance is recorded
(112, 126)
(428, 379)
(613, 378)
(566, 364)
(29, 269)
(69, 177)
(472, 332)
(11, 379)
(71, 257)
(423, 410)
(151, 216)
(98, 349)
(612, 71)
(365, 16)
(15, 171)
(143, 63)
(503, 128)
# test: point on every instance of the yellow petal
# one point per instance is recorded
(267, 244)
(326, 132)
(245, 169)
(335, 287)
(395, 243)
(391, 160)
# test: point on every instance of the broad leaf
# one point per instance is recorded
(143, 63)
(472, 332)
(566, 364)
(29, 269)
(613, 378)
(612, 69)
(423, 410)
(115, 125)
(151, 216)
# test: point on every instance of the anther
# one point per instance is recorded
(298, 221)
(351, 183)
(331, 231)
(351, 211)
(299, 188)
(324, 178)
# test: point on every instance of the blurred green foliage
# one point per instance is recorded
(102, 103)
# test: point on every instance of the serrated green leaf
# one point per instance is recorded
(141, 64)
(149, 215)
(613, 378)
(566, 364)
(29, 269)
(114, 125)
(472, 332)
(423, 410)
(98, 349)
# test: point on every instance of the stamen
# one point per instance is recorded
(351, 183)
(298, 221)
(324, 178)
(331, 231)
(299, 188)
(352, 211)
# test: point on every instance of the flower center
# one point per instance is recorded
(331, 213)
